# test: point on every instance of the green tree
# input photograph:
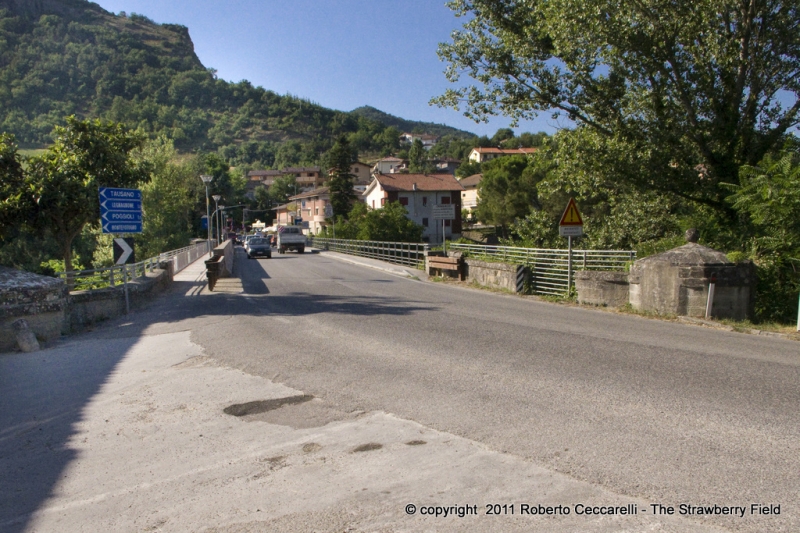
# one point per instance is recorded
(695, 90)
(769, 196)
(502, 136)
(169, 199)
(616, 214)
(15, 204)
(64, 182)
(506, 192)
(389, 140)
(263, 199)
(339, 161)
(416, 157)
(282, 188)
(389, 223)
(467, 169)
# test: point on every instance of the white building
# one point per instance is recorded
(419, 193)
(388, 165)
(480, 155)
(469, 198)
(428, 140)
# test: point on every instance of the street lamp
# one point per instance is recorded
(206, 180)
(216, 198)
(220, 225)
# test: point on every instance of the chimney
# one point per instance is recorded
(414, 187)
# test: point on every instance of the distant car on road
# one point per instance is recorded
(258, 246)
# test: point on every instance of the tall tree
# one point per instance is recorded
(64, 182)
(694, 89)
(169, 199)
(506, 192)
(339, 160)
(416, 157)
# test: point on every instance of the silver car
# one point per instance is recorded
(258, 246)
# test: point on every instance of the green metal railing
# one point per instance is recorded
(118, 275)
(400, 253)
(549, 268)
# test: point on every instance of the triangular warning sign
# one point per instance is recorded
(571, 216)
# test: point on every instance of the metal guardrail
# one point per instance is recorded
(549, 267)
(400, 253)
(118, 275)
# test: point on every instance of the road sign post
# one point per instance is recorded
(571, 225)
(444, 212)
(120, 210)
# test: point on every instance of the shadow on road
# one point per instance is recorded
(43, 396)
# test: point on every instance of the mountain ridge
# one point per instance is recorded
(410, 126)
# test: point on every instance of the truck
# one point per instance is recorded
(291, 238)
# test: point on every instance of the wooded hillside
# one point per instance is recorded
(63, 57)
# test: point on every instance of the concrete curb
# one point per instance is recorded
(725, 327)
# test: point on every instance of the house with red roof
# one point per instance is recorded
(419, 193)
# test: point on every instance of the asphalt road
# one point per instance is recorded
(455, 396)
(669, 413)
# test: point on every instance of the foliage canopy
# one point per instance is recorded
(694, 89)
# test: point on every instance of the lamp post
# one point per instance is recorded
(206, 180)
(220, 224)
(216, 198)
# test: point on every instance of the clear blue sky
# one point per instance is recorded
(341, 54)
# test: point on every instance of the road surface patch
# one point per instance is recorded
(262, 406)
(368, 447)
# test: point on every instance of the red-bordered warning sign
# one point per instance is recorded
(571, 216)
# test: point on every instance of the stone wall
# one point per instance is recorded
(602, 287)
(51, 311)
(496, 275)
(40, 300)
(89, 307)
(676, 283)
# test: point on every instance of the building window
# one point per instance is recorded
(383, 202)
(424, 201)
(445, 200)
(404, 200)
(373, 204)
(425, 222)
(316, 210)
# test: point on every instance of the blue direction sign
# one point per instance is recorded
(122, 205)
(122, 227)
(111, 193)
(121, 210)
